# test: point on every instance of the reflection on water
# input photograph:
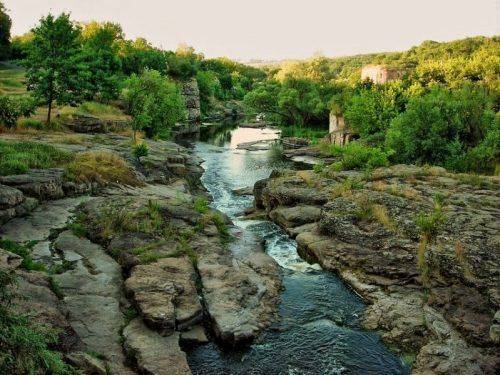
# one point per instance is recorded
(318, 331)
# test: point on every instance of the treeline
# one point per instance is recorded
(444, 109)
(69, 62)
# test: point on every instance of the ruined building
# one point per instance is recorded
(339, 134)
(380, 74)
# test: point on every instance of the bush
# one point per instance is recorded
(102, 167)
(12, 108)
(140, 150)
(19, 157)
(454, 129)
(154, 102)
(356, 155)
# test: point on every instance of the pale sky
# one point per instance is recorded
(278, 29)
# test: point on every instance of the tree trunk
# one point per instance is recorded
(49, 112)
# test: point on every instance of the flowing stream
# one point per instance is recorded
(319, 330)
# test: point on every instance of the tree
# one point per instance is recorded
(5, 25)
(293, 102)
(55, 68)
(19, 46)
(101, 42)
(154, 102)
(370, 110)
(443, 127)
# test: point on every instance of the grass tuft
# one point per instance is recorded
(102, 167)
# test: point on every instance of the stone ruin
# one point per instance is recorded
(338, 132)
(380, 74)
(191, 95)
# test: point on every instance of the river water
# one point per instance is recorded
(318, 331)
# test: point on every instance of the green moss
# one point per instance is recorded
(201, 205)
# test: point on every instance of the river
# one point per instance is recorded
(319, 330)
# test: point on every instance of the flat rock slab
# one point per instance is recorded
(155, 354)
(50, 216)
(240, 296)
(165, 293)
(92, 291)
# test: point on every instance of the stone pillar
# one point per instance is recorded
(191, 94)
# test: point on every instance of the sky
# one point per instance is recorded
(277, 29)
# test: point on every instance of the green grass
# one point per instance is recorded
(201, 205)
(24, 251)
(302, 132)
(12, 79)
(100, 110)
(19, 157)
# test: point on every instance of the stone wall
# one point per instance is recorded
(339, 134)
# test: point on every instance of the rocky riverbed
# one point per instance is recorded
(419, 244)
(130, 272)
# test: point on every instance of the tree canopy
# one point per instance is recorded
(56, 71)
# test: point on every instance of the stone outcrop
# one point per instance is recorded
(150, 271)
(165, 294)
(91, 124)
(420, 244)
(154, 354)
(191, 95)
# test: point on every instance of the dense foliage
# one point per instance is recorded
(154, 102)
(443, 110)
(55, 70)
(5, 25)
(12, 108)
(68, 62)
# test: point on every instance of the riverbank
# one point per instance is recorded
(126, 272)
(419, 244)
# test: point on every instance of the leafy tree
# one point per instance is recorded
(154, 102)
(11, 108)
(101, 42)
(19, 46)
(55, 70)
(139, 54)
(443, 127)
(370, 111)
(5, 25)
(293, 102)
(208, 85)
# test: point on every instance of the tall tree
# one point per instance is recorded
(101, 42)
(5, 25)
(154, 102)
(55, 68)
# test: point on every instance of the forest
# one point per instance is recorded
(442, 111)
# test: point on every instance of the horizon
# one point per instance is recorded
(218, 30)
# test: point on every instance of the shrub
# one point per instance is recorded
(102, 167)
(356, 155)
(140, 150)
(18, 157)
(154, 102)
(454, 129)
(12, 108)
